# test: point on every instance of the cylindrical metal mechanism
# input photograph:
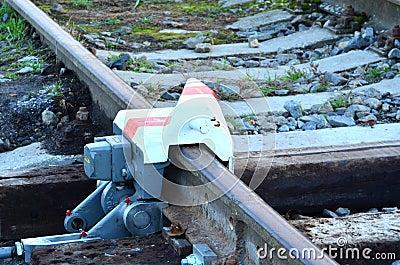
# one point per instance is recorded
(141, 219)
(199, 125)
(6, 252)
(112, 195)
(144, 218)
(75, 222)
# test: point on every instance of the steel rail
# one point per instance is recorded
(239, 205)
(109, 92)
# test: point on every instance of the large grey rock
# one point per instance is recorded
(120, 63)
(394, 53)
(170, 96)
(5, 18)
(284, 128)
(373, 103)
(357, 42)
(390, 75)
(322, 108)
(319, 120)
(267, 123)
(56, 8)
(389, 209)
(285, 57)
(342, 211)
(322, 121)
(328, 213)
(373, 210)
(222, 65)
(280, 120)
(203, 47)
(49, 118)
(253, 41)
(368, 33)
(251, 63)
(292, 123)
(293, 107)
(360, 115)
(371, 92)
(396, 66)
(341, 121)
(309, 126)
(262, 36)
(25, 70)
(335, 79)
(353, 109)
(370, 117)
(385, 107)
(193, 41)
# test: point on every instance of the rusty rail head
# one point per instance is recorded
(107, 89)
(243, 205)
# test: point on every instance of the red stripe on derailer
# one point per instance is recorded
(134, 124)
(198, 90)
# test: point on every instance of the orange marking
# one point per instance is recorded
(198, 89)
(134, 124)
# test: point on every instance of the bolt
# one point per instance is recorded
(82, 114)
(68, 134)
(380, 42)
(394, 36)
(128, 201)
(176, 230)
(314, 7)
(83, 233)
(124, 173)
(298, 5)
(68, 213)
(396, 31)
(141, 219)
(88, 137)
(349, 11)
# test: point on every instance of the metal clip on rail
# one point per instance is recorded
(129, 167)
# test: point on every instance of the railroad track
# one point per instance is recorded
(242, 217)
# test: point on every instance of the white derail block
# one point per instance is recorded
(197, 118)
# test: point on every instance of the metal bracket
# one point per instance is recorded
(87, 213)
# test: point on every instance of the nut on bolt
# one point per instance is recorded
(128, 201)
(82, 114)
(83, 233)
(68, 134)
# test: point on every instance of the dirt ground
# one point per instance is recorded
(82, 17)
(23, 100)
